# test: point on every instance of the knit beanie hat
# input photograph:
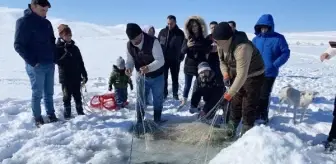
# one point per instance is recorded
(120, 63)
(133, 30)
(203, 67)
(222, 31)
(42, 3)
(63, 29)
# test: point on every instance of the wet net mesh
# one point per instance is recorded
(195, 141)
(190, 142)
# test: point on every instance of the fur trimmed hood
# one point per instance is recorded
(147, 27)
(200, 21)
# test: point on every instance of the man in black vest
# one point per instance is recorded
(171, 39)
(145, 54)
(241, 64)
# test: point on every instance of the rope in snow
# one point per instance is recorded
(84, 100)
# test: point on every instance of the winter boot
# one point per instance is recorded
(157, 117)
(264, 117)
(193, 109)
(230, 130)
(201, 114)
(53, 118)
(140, 116)
(330, 146)
(80, 110)
(67, 113)
(39, 121)
(183, 103)
(125, 104)
(175, 96)
(245, 128)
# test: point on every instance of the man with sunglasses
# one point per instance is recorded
(35, 43)
(209, 86)
(144, 52)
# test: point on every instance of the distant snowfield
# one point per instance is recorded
(96, 138)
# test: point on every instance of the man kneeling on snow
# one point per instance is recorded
(242, 64)
(209, 86)
(145, 54)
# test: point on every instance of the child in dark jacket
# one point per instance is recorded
(72, 72)
(209, 86)
(120, 80)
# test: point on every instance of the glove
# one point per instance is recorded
(227, 97)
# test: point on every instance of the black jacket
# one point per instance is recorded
(70, 63)
(195, 54)
(171, 43)
(211, 91)
(241, 34)
(202, 47)
(213, 58)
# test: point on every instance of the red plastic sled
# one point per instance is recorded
(105, 101)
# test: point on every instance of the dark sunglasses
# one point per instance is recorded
(44, 4)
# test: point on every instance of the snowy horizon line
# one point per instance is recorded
(123, 25)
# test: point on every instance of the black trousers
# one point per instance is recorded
(244, 103)
(174, 68)
(332, 133)
(72, 90)
(265, 93)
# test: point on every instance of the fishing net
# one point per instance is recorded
(197, 132)
(192, 142)
(196, 141)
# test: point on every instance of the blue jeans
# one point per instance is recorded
(42, 84)
(121, 96)
(187, 84)
(156, 86)
(149, 98)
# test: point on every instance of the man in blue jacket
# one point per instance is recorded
(35, 43)
(275, 53)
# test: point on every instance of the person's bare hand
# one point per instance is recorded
(214, 48)
(128, 72)
(190, 43)
(144, 70)
(324, 56)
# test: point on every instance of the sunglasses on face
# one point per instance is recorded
(45, 4)
(204, 73)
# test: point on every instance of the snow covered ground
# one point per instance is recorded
(97, 138)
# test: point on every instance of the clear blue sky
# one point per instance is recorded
(289, 15)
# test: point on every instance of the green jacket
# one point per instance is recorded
(119, 79)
